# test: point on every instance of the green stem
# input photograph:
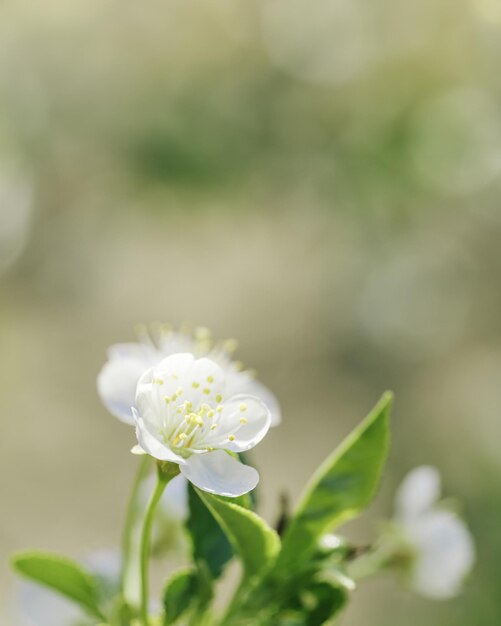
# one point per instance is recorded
(372, 562)
(166, 471)
(130, 521)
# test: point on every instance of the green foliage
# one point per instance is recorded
(343, 485)
(209, 543)
(255, 542)
(187, 591)
(179, 594)
(63, 576)
(313, 606)
(299, 582)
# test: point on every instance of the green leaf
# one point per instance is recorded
(179, 594)
(209, 542)
(252, 539)
(321, 602)
(342, 486)
(62, 575)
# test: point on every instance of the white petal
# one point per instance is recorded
(174, 501)
(445, 554)
(116, 385)
(219, 473)
(419, 490)
(137, 450)
(151, 444)
(255, 388)
(240, 430)
(163, 390)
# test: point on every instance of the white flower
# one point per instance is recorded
(117, 380)
(443, 548)
(186, 415)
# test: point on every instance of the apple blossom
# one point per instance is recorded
(442, 547)
(186, 415)
(118, 377)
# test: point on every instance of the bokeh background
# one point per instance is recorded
(320, 180)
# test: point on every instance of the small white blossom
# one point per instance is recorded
(186, 415)
(117, 380)
(443, 548)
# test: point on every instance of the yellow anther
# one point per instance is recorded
(231, 438)
(179, 391)
(188, 405)
(173, 397)
(230, 345)
(213, 427)
(243, 407)
(219, 398)
(179, 411)
(195, 385)
(243, 420)
(205, 407)
(210, 379)
(182, 436)
(210, 413)
(201, 333)
(167, 399)
(220, 408)
(158, 381)
(206, 391)
(195, 419)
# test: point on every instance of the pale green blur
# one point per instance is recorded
(320, 180)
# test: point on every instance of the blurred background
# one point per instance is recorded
(319, 180)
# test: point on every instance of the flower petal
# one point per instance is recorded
(116, 385)
(151, 444)
(219, 473)
(244, 383)
(174, 501)
(245, 420)
(257, 389)
(419, 490)
(445, 554)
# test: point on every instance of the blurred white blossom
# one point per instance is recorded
(117, 380)
(442, 547)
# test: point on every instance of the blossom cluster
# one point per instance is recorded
(195, 411)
